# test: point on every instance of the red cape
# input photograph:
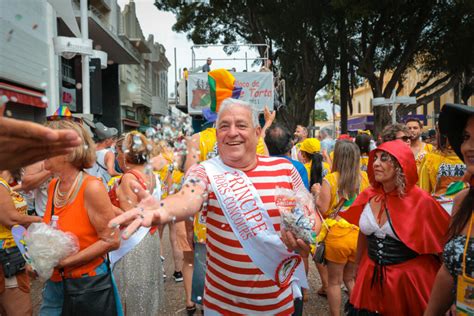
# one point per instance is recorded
(417, 219)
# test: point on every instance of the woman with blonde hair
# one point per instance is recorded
(338, 191)
(138, 272)
(79, 204)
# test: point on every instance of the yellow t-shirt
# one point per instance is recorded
(308, 165)
(439, 170)
(364, 162)
(425, 149)
(6, 237)
(332, 180)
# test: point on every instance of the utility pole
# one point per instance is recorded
(86, 97)
(393, 101)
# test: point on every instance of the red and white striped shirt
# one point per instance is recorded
(234, 285)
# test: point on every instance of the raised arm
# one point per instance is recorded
(34, 176)
(193, 156)
(110, 164)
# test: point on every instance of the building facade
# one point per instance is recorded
(28, 66)
(130, 86)
(144, 86)
(363, 110)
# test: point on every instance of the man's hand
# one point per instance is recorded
(24, 143)
(146, 214)
(294, 244)
(268, 116)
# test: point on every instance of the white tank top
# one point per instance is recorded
(368, 225)
(99, 169)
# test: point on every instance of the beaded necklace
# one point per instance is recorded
(63, 198)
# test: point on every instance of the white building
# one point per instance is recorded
(143, 87)
(29, 68)
(34, 81)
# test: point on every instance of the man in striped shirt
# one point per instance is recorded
(242, 221)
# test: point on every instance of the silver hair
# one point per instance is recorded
(328, 131)
(229, 102)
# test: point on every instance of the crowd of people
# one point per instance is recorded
(392, 218)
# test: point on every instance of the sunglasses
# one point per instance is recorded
(384, 157)
(404, 138)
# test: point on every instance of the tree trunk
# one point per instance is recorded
(457, 93)
(381, 119)
(344, 63)
(344, 94)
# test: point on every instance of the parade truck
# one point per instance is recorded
(194, 96)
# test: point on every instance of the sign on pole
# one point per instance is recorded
(257, 88)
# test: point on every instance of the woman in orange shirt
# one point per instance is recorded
(83, 208)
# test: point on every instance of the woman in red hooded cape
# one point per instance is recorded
(399, 257)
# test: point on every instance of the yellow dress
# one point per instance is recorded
(440, 169)
(6, 237)
(339, 235)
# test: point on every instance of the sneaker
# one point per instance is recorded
(162, 259)
(178, 276)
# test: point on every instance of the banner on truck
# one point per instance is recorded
(257, 88)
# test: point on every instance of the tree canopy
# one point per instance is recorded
(314, 42)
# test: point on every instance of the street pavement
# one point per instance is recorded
(174, 303)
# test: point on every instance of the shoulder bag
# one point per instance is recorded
(88, 295)
(319, 254)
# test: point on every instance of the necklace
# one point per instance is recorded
(63, 198)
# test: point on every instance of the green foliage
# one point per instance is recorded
(314, 43)
(301, 35)
(320, 115)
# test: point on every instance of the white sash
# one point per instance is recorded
(251, 224)
(127, 245)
